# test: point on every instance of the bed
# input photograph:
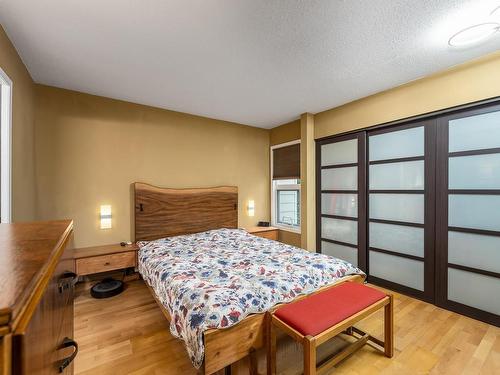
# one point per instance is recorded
(215, 282)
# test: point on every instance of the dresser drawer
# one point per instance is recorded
(103, 263)
(270, 234)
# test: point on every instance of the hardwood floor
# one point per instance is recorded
(128, 334)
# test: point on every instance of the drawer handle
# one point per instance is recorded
(107, 263)
(64, 283)
(67, 342)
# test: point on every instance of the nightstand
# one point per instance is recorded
(90, 260)
(265, 232)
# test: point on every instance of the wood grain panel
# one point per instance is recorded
(163, 212)
(265, 232)
(43, 311)
(271, 235)
(37, 350)
(5, 354)
(29, 253)
(87, 252)
(104, 263)
(226, 346)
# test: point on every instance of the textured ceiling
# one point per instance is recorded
(257, 62)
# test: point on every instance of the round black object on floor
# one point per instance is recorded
(106, 288)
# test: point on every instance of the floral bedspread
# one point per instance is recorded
(215, 279)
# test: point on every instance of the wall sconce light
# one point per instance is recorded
(106, 216)
(251, 208)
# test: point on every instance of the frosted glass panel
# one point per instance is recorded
(340, 152)
(349, 254)
(340, 230)
(398, 238)
(397, 144)
(339, 204)
(474, 290)
(475, 132)
(474, 211)
(398, 207)
(475, 172)
(339, 179)
(399, 176)
(400, 270)
(474, 250)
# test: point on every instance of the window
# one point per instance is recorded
(287, 193)
(5, 146)
(285, 186)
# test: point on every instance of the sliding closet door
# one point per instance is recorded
(341, 198)
(468, 224)
(401, 208)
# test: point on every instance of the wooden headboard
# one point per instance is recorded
(162, 212)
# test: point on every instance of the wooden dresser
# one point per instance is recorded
(36, 298)
(266, 232)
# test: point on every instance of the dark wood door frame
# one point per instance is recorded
(442, 227)
(429, 209)
(361, 192)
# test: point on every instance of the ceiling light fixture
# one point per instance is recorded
(474, 34)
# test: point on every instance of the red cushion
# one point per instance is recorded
(315, 314)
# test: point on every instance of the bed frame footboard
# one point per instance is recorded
(226, 346)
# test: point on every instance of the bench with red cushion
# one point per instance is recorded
(317, 313)
(321, 316)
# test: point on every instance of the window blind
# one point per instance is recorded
(286, 162)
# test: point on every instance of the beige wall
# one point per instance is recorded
(290, 238)
(307, 183)
(466, 83)
(285, 133)
(23, 162)
(90, 149)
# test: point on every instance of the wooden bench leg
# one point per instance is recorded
(309, 355)
(389, 327)
(252, 359)
(271, 347)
